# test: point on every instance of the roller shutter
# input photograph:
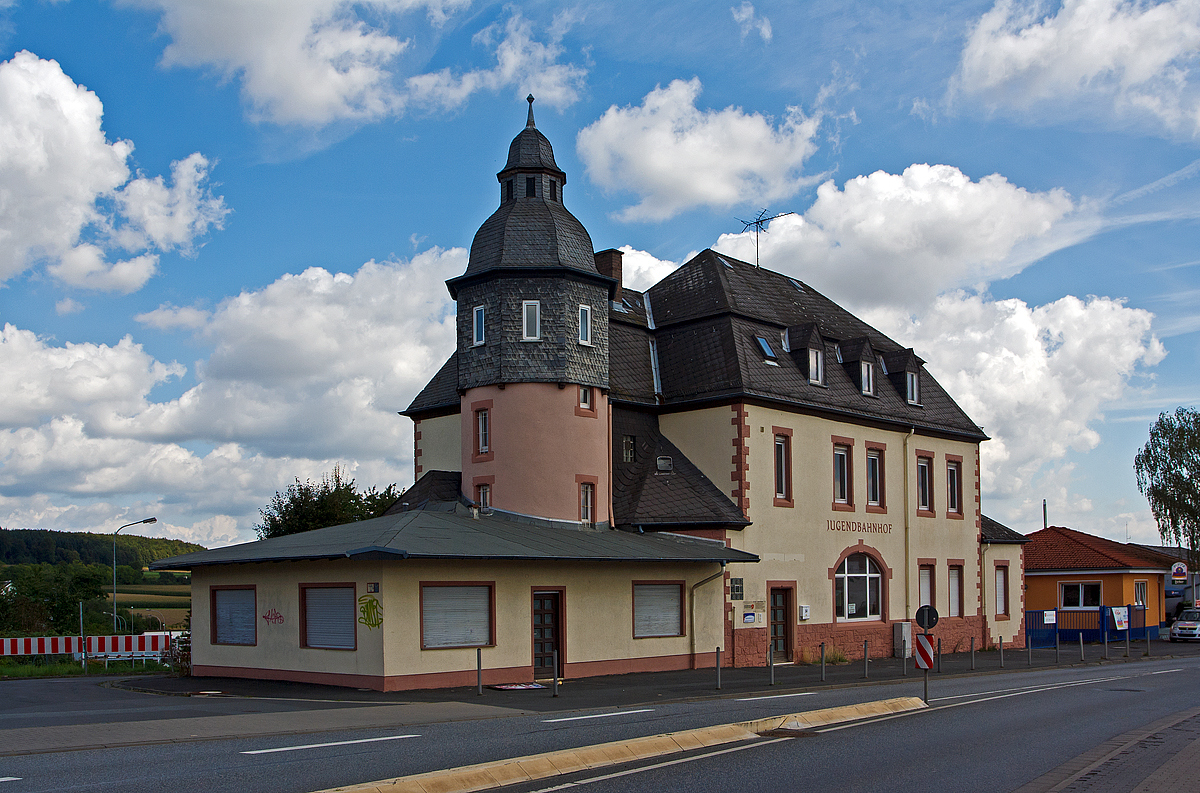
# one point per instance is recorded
(329, 617)
(656, 610)
(233, 616)
(456, 616)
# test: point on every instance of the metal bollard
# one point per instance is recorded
(939, 655)
(1127, 642)
(972, 653)
(1029, 649)
(1147, 641)
(718, 669)
(1082, 657)
(556, 673)
(1001, 645)
(1104, 632)
(479, 670)
(1056, 643)
(822, 662)
(771, 662)
(904, 657)
(866, 661)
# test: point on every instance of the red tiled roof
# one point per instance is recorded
(1059, 548)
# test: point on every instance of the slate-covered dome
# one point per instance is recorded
(531, 227)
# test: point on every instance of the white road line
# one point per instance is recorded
(10, 779)
(331, 743)
(776, 696)
(598, 715)
(630, 771)
(1163, 672)
(1036, 687)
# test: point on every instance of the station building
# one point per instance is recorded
(614, 480)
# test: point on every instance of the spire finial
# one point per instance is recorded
(529, 124)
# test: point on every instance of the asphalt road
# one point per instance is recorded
(989, 732)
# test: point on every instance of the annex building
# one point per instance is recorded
(625, 481)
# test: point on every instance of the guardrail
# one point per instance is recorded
(145, 645)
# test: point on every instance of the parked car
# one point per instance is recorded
(1187, 626)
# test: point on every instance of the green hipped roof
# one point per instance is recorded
(425, 534)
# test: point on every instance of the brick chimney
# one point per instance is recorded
(609, 263)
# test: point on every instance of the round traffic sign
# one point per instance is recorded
(927, 617)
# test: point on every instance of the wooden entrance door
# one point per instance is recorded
(781, 625)
(547, 633)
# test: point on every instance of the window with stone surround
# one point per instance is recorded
(857, 589)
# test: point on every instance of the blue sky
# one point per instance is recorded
(227, 224)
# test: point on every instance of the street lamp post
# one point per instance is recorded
(115, 533)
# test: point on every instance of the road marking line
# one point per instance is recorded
(665, 764)
(598, 715)
(331, 743)
(1163, 672)
(10, 779)
(1032, 688)
(776, 696)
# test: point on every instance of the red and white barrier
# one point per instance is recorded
(42, 645)
(96, 645)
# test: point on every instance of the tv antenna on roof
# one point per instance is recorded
(759, 221)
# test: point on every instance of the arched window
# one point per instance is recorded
(857, 589)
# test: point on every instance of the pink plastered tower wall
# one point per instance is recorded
(542, 447)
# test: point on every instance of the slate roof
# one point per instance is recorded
(531, 150)
(706, 315)
(995, 532)
(440, 395)
(1059, 548)
(428, 534)
(645, 497)
(436, 490)
(531, 232)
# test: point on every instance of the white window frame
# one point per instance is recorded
(954, 590)
(783, 466)
(587, 502)
(954, 487)
(483, 495)
(585, 397)
(841, 474)
(874, 478)
(629, 448)
(1141, 592)
(925, 484)
(912, 382)
(843, 577)
(536, 305)
(478, 326)
(1079, 585)
(483, 431)
(474, 603)
(925, 588)
(816, 365)
(867, 373)
(652, 617)
(585, 325)
(1002, 599)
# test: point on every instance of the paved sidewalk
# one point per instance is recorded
(641, 688)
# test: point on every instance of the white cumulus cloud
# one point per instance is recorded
(676, 157)
(306, 372)
(1109, 59)
(66, 196)
(902, 239)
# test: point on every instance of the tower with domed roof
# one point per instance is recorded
(532, 357)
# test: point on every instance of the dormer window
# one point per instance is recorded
(867, 376)
(764, 347)
(530, 187)
(816, 365)
(478, 326)
(785, 341)
(912, 389)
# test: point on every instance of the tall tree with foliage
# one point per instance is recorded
(333, 501)
(1168, 474)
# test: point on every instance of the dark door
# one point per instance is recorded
(781, 624)
(546, 633)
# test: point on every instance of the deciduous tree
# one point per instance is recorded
(1168, 474)
(309, 505)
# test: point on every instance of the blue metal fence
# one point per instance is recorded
(1093, 624)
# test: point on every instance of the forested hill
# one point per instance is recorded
(38, 546)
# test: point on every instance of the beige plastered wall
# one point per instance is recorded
(541, 448)
(598, 602)
(439, 445)
(1002, 627)
(803, 542)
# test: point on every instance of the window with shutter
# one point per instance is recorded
(657, 610)
(456, 616)
(233, 616)
(329, 617)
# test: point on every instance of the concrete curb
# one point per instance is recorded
(499, 773)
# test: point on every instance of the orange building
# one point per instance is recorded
(1072, 571)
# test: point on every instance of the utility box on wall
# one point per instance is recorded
(803, 612)
(902, 640)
